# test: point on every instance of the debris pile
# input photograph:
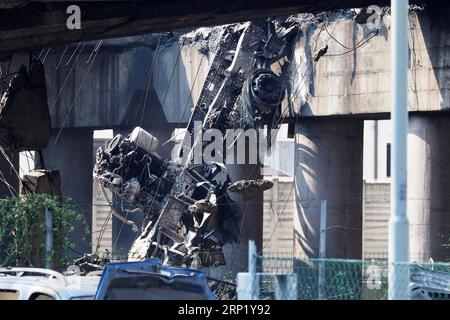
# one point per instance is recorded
(188, 211)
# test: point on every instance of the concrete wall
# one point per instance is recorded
(377, 137)
(101, 213)
(100, 85)
(343, 81)
(97, 93)
(101, 221)
(376, 212)
(428, 199)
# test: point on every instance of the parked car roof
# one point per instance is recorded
(32, 283)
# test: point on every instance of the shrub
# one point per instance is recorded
(22, 230)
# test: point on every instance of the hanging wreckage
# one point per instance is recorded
(188, 209)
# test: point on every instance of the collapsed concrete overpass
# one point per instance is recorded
(328, 109)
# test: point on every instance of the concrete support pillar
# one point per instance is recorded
(8, 176)
(273, 244)
(72, 156)
(329, 166)
(428, 187)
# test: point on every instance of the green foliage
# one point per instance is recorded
(22, 230)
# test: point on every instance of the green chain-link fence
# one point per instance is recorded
(350, 279)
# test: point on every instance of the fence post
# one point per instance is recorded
(254, 287)
(48, 238)
(286, 287)
(398, 222)
(322, 247)
(247, 282)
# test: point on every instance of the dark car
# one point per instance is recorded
(151, 280)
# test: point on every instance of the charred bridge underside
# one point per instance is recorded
(26, 24)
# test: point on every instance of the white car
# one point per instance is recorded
(45, 284)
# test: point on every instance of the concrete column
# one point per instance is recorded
(329, 166)
(72, 156)
(428, 186)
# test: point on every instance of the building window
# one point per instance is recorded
(388, 160)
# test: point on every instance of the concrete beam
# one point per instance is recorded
(42, 23)
(352, 78)
(107, 90)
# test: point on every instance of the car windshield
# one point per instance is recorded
(148, 287)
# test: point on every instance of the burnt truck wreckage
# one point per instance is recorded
(188, 211)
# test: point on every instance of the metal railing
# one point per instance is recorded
(281, 277)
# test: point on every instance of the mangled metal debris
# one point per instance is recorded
(250, 188)
(188, 211)
(178, 202)
(117, 214)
